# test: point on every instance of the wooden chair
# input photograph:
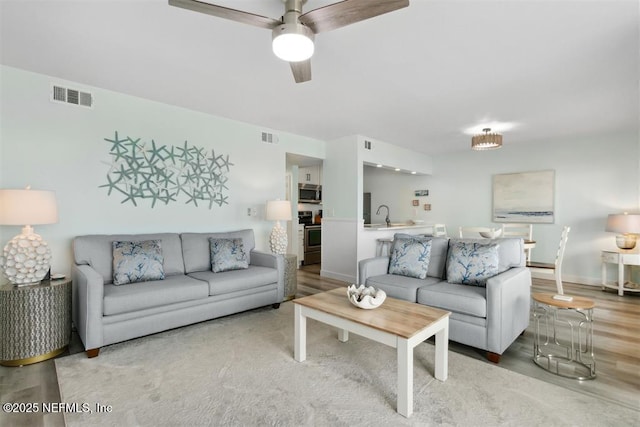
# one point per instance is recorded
(556, 267)
(519, 230)
(472, 232)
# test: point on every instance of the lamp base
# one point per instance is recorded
(626, 241)
(26, 258)
(278, 239)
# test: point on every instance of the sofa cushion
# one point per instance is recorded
(464, 299)
(140, 296)
(227, 254)
(438, 257)
(195, 248)
(400, 287)
(237, 280)
(410, 257)
(97, 251)
(472, 263)
(137, 262)
(510, 251)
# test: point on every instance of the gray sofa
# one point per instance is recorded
(190, 292)
(489, 318)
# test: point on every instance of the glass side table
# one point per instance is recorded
(35, 321)
(567, 352)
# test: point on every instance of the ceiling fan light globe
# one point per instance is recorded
(293, 43)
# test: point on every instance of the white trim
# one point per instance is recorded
(337, 276)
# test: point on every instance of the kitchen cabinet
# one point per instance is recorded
(310, 175)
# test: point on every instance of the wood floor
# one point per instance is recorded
(616, 342)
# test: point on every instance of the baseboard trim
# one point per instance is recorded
(337, 276)
(581, 280)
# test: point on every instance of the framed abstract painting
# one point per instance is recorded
(526, 197)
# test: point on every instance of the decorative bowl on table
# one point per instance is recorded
(494, 233)
(366, 297)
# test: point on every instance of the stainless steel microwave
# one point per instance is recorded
(309, 193)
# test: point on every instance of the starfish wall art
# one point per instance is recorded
(165, 173)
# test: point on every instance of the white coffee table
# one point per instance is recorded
(399, 324)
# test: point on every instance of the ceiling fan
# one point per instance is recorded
(294, 32)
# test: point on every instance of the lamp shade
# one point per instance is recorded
(623, 223)
(278, 210)
(28, 207)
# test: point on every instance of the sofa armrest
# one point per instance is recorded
(88, 295)
(264, 259)
(508, 307)
(372, 267)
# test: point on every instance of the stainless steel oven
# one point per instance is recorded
(312, 244)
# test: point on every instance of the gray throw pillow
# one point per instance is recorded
(137, 261)
(471, 263)
(410, 257)
(227, 254)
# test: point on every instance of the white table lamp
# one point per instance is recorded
(278, 210)
(626, 224)
(27, 258)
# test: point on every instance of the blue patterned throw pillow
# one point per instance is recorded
(227, 254)
(410, 257)
(137, 262)
(471, 263)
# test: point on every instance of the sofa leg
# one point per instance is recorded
(276, 305)
(493, 357)
(93, 352)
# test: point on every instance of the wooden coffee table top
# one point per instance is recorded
(398, 317)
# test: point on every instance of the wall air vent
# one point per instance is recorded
(71, 96)
(268, 137)
(367, 145)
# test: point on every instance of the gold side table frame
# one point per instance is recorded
(572, 357)
(35, 322)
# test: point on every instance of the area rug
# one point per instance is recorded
(239, 371)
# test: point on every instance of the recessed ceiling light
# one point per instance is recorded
(397, 169)
(413, 172)
(378, 166)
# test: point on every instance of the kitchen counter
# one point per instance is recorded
(394, 226)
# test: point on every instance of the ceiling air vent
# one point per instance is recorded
(71, 96)
(268, 137)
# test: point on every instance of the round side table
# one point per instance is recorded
(35, 321)
(566, 354)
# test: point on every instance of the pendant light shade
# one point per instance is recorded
(486, 140)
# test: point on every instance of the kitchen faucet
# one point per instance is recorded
(387, 220)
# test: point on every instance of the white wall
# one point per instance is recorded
(62, 148)
(595, 176)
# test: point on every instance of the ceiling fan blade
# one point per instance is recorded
(347, 12)
(301, 71)
(227, 13)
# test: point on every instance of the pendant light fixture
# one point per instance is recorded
(486, 140)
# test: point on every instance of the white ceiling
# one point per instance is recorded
(418, 77)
